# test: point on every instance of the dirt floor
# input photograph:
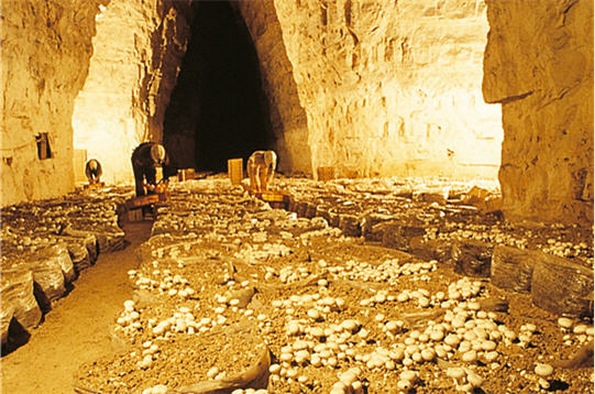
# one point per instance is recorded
(373, 286)
(77, 329)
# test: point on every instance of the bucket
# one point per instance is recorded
(235, 171)
(326, 173)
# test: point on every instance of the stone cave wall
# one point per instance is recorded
(385, 87)
(539, 66)
(288, 117)
(45, 54)
(370, 88)
(139, 47)
(339, 76)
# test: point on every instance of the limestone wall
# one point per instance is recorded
(368, 87)
(288, 117)
(45, 54)
(138, 49)
(539, 65)
(392, 88)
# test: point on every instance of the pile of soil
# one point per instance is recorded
(224, 276)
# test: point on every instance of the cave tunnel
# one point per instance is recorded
(217, 109)
(99, 296)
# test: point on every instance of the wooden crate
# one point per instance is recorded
(326, 173)
(235, 170)
(135, 215)
(186, 174)
(142, 201)
(276, 199)
(94, 185)
(163, 197)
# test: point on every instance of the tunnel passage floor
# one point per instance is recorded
(223, 273)
(224, 276)
(77, 329)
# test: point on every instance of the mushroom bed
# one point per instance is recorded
(360, 286)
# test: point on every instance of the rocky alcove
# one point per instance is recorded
(218, 109)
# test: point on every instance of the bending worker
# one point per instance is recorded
(93, 171)
(146, 158)
(261, 169)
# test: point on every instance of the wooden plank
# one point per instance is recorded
(142, 201)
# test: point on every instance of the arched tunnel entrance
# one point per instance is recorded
(217, 109)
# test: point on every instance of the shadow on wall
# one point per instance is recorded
(218, 109)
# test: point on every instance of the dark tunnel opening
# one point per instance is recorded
(217, 110)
